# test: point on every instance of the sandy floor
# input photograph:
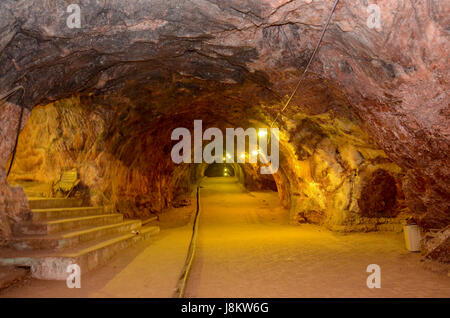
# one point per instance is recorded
(246, 248)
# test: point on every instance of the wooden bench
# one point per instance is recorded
(69, 180)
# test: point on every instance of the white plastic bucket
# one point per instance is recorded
(412, 237)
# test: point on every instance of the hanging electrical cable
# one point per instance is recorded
(309, 62)
(3, 98)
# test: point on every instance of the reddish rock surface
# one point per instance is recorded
(391, 83)
(378, 195)
(13, 202)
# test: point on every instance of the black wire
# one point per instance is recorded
(309, 62)
(182, 282)
(17, 141)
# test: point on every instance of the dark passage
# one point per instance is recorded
(219, 170)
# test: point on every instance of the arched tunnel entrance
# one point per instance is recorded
(219, 170)
(100, 147)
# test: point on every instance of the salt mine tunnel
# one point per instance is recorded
(363, 121)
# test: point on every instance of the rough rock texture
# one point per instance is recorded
(13, 202)
(393, 79)
(119, 162)
(123, 150)
(14, 208)
(436, 246)
(327, 161)
(378, 196)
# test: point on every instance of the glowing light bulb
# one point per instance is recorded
(243, 155)
(228, 155)
(262, 133)
(255, 152)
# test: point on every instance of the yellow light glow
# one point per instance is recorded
(228, 155)
(262, 133)
(255, 152)
(243, 155)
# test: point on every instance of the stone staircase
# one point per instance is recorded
(61, 232)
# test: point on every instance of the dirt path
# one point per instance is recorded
(247, 249)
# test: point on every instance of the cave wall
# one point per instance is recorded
(122, 153)
(13, 202)
(254, 180)
(395, 77)
(127, 173)
(330, 163)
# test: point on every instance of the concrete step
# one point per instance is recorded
(71, 239)
(88, 257)
(60, 225)
(53, 203)
(34, 193)
(40, 215)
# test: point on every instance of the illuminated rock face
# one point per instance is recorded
(120, 161)
(389, 84)
(120, 144)
(329, 163)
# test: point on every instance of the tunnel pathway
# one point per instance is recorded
(246, 249)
